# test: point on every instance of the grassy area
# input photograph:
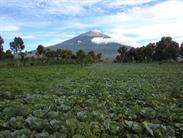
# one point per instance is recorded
(99, 100)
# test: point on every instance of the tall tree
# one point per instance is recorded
(92, 54)
(17, 45)
(181, 49)
(122, 51)
(81, 56)
(131, 55)
(1, 47)
(140, 54)
(149, 51)
(99, 57)
(40, 50)
(92, 57)
(166, 49)
(59, 54)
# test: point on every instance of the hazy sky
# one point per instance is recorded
(47, 22)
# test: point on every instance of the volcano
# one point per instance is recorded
(86, 42)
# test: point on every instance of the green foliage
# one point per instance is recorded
(17, 45)
(1, 47)
(40, 50)
(142, 54)
(66, 56)
(181, 50)
(98, 100)
(81, 56)
(165, 49)
(8, 54)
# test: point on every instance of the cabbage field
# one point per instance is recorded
(92, 101)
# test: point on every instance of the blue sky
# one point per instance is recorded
(132, 22)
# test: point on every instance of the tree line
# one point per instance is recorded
(67, 56)
(45, 55)
(164, 50)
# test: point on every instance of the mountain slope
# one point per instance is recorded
(84, 42)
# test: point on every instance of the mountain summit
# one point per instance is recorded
(85, 42)
(93, 34)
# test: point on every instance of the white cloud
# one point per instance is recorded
(120, 39)
(117, 3)
(8, 28)
(28, 36)
(115, 38)
(72, 7)
(67, 7)
(97, 30)
(11, 35)
(148, 23)
(101, 40)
